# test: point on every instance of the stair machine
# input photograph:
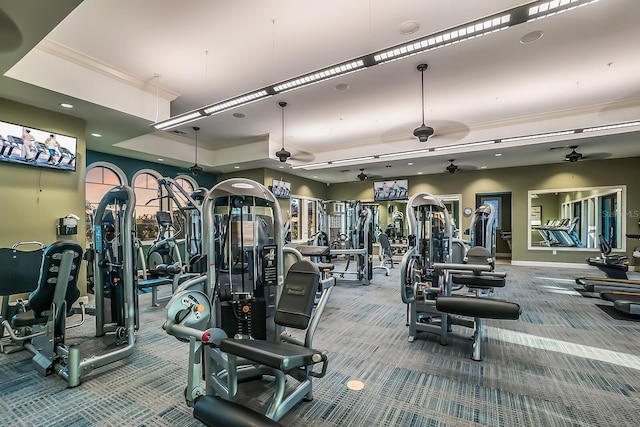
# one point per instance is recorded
(427, 274)
(164, 264)
(236, 325)
(115, 307)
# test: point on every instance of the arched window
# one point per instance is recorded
(99, 178)
(145, 187)
(187, 183)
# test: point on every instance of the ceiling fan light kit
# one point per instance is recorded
(452, 168)
(423, 132)
(573, 156)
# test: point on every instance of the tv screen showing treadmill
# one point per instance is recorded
(26, 145)
(391, 190)
(281, 189)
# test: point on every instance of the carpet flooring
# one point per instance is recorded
(565, 362)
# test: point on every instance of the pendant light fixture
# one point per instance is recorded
(282, 154)
(423, 132)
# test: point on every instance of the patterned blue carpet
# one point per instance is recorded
(566, 362)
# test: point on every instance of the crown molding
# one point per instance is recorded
(80, 59)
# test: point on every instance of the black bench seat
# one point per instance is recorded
(277, 355)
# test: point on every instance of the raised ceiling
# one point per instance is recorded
(125, 65)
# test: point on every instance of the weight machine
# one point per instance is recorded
(245, 295)
(428, 274)
(115, 307)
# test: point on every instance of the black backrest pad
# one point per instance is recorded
(298, 294)
(478, 255)
(19, 270)
(41, 299)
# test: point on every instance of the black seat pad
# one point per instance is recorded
(478, 281)
(325, 266)
(277, 355)
(478, 307)
(308, 250)
(152, 283)
(214, 411)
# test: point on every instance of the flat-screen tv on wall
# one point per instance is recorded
(27, 145)
(281, 189)
(397, 189)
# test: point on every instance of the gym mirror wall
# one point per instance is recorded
(575, 218)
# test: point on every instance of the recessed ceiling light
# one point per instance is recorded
(410, 164)
(409, 27)
(342, 87)
(531, 37)
(236, 167)
(498, 154)
(315, 176)
(239, 115)
(419, 173)
(281, 167)
(64, 105)
(97, 135)
(161, 160)
(483, 167)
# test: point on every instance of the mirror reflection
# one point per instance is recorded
(576, 218)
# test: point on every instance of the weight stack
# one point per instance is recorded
(245, 317)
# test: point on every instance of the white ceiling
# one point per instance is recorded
(126, 64)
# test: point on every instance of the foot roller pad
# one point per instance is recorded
(214, 411)
(478, 307)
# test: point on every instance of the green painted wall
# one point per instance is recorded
(519, 181)
(34, 198)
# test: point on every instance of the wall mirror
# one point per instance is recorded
(575, 218)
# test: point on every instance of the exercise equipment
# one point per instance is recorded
(560, 232)
(246, 296)
(624, 299)
(17, 276)
(357, 245)
(114, 286)
(428, 275)
(614, 266)
(164, 263)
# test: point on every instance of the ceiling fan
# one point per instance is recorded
(452, 168)
(195, 169)
(283, 154)
(573, 156)
(423, 132)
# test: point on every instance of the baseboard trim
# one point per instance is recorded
(550, 264)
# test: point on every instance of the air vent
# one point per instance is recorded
(178, 132)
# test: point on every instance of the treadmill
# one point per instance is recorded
(624, 301)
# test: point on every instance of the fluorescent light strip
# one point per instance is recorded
(458, 34)
(180, 120)
(312, 165)
(328, 73)
(403, 153)
(609, 127)
(236, 102)
(357, 159)
(480, 27)
(544, 9)
(540, 135)
(470, 144)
